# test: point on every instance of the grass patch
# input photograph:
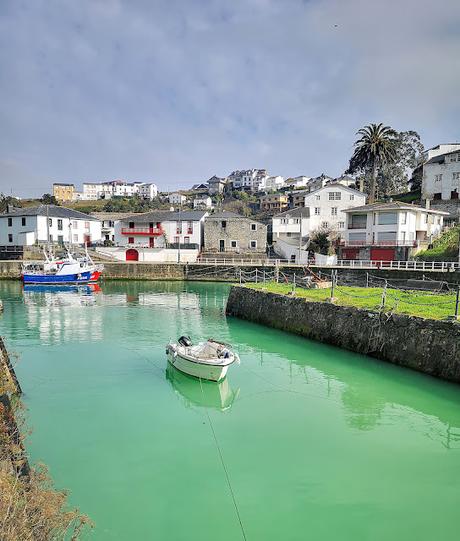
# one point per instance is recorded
(445, 248)
(412, 303)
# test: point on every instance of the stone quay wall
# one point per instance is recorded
(230, 273)
(428, 346)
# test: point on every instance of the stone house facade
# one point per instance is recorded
(231, 233)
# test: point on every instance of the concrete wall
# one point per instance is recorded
(428, 346)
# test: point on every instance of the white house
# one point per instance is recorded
(441, 176)
(291, 231)
(38, 225)
(176, 198)
(202, 202)
(108, 221)
(159, 236)
(118, 188)
(387, 231)
(327, 205)
(271, 184)
(248, 179)
(298, 182)
(443, 148)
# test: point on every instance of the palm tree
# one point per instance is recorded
(375, 148)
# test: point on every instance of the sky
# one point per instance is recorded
(175, 91)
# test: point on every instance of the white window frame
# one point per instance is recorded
(317, 211)
(334, 211)
(236, 244)
(255, 244)
(253, 227)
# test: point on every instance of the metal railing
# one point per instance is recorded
(441, 266)
(394, 242)
(142, 231)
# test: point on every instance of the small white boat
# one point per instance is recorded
(206, 360)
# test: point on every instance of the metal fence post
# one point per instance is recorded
(240, 277)
(457, 302)
(367, 279)
(332, 286)
(256, 275)
(293, 284)
(384, 295)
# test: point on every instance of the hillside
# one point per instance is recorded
(445, 248)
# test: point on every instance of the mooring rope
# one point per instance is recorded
(224, 467)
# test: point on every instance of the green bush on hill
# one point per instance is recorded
(445, 248)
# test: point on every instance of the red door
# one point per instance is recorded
(382, 254)
(132, 255)
(151, 242)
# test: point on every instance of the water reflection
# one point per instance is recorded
(60, 313)
(372, 393)
(206, 394)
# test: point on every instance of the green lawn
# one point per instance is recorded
(415, 303)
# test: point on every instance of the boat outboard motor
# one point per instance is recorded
(185, 341)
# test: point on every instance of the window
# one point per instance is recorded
(317, 197)
(438, 178)
(357, 237)
(317, 211)
(403, 218)
(325, 224)
(60, 225)
(23, 222)
(352, 197)
(176, 240)
(10, 237)
(223, 224)
(357, 221)
(335, 196)
(189, 228)
(425, 218)
(75, 238)
(233, 244)
(86, 225)
(130, 240)
(179, 228)
(50, 222)
(51, 238)
(284, 221)
(75, 224)
(341, 225)
(387, 235)
(454, 194)
(60, 240)
(131, 225)
(186, 240)
(253, 244)
(253, 227)
(387, 218)
(10, 222)
(456, 176)
(333, 211)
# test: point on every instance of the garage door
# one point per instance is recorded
(382, 254)
(350, 253)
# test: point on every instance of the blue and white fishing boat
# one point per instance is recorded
(58, 271)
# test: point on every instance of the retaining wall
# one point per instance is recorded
(173, 271)
(425, 345)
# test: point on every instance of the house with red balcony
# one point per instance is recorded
(388, 231)
(159, 236)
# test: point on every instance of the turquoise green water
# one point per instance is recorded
(318, 443)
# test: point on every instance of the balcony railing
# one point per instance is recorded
(394, 242)
(145, 231)
(357, 226)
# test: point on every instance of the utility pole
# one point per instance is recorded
(180, 232)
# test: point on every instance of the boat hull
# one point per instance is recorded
(59, 279)
(198, 370)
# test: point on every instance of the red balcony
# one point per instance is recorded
(144, 231)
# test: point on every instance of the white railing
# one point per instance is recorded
(441, 266)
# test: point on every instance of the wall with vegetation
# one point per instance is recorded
(429, 346)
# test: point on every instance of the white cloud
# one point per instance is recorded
(176, 90)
